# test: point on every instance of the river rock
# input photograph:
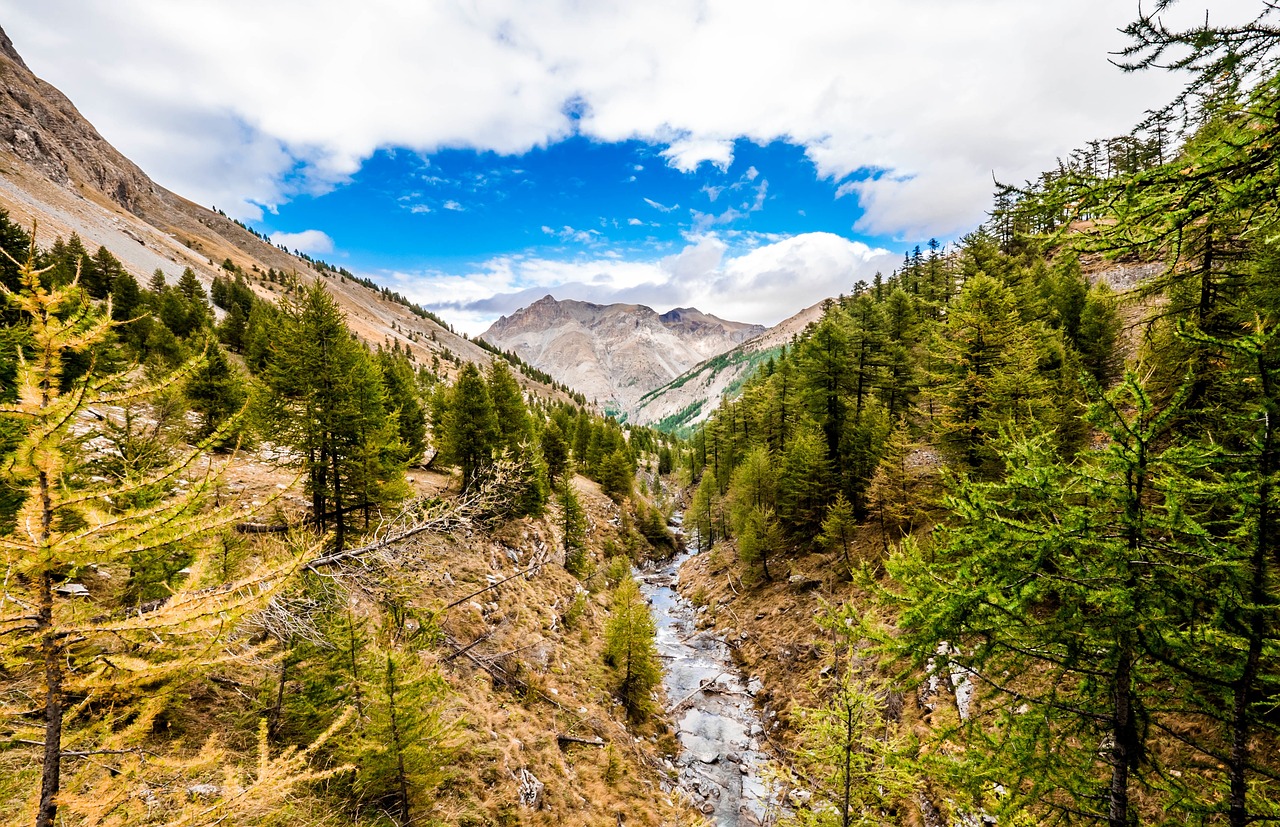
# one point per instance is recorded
(755, 686)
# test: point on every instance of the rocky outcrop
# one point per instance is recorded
(617, 353)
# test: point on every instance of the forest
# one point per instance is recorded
(1053, 498)
(156, 625)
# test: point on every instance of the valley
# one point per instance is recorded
(986, 537)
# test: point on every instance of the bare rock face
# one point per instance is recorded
(614, 354)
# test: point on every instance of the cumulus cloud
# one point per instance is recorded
(686, 154)
(307, 241)
(763, 283)
(937, 94)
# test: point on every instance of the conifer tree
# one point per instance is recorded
(706, 512)
(555, 451)
(631, 649)
(753, 495)
(61, 646)
(471, 433)
(1041, 588)
(573, 523)
(514, 427)
(849, 749)
(989, 377)
(328, 404)
(216, 393)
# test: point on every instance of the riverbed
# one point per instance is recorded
(722, 766)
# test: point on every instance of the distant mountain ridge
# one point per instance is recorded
(616, 353)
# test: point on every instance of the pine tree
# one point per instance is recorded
(555, 451)
(328, 403)
(1042, 588)
(705, 512)
(514, 427)
(216, 392)
(404, 748)
(753, 495)
(851, 751)
(989, 377)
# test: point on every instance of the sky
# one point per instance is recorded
(746, 157)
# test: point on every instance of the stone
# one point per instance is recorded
(531, 788)
(203, 791)
(755, 686)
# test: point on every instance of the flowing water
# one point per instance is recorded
(721, 766)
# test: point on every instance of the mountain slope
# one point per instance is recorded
(614, 353)
(692, 396)
(59, 173)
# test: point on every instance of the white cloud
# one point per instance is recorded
(454, 206)
(567, 233)
(940, 94)
(307, 241)
(661, 207)
(686, 154)
(765, 282)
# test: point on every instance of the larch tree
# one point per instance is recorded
(471, 433)
(65, 645)
(631, 649)
(328, 404)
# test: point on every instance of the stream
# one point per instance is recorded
(722, 767)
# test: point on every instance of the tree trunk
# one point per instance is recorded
(277, 710)
(340, 521)
(1243, 687)
(50, 777)
(51, 771)
(848, 759)
(1122, 736)
(402, 777)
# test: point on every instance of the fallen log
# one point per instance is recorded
(563, 739)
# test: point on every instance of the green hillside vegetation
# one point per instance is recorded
(1084, 545)
(175, 652)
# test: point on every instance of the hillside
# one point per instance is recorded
(693, 396)
(58, 173)
(614, 354)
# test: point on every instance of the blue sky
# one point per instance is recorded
(578, 197)
(747, 157)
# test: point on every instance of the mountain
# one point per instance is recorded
(614, 353)
(59, 173)
(692, 396)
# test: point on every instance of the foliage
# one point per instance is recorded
(631, 649)
(63, 641)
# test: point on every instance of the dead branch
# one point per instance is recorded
(689, 697)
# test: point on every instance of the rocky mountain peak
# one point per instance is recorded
(614, 353)
(6, 49)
